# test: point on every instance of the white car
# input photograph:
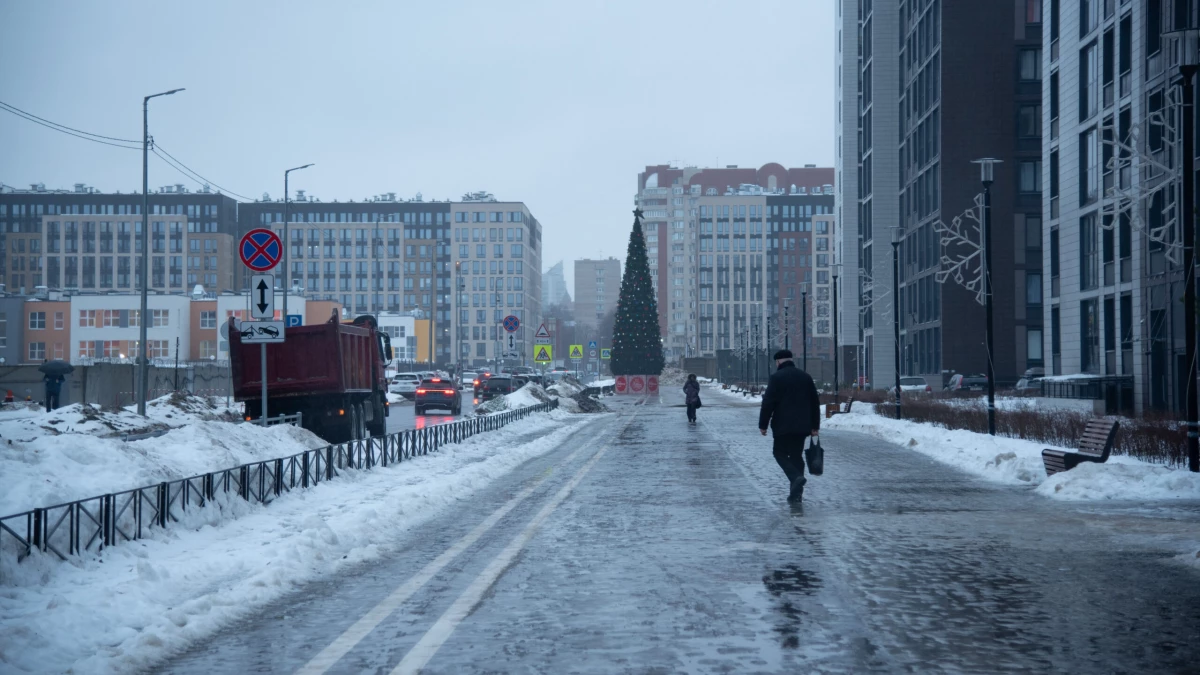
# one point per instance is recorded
(405, 384)
(912, 384)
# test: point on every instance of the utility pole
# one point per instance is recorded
(804, 322)
(286, 230)
(837, 374)
(787, 329)
(896, 236)
(144, 316)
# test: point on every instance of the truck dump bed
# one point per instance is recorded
(330, 358)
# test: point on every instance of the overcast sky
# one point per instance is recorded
(558, 104)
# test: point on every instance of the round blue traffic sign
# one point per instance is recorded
(511, 323)
(260, 249)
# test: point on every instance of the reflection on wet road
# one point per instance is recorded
(643, 544)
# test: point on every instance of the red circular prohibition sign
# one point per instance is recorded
(260, 249)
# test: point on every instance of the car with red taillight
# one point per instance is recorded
(438, 393)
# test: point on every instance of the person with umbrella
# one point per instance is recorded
(55, 373)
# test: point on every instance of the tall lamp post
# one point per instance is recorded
(837, 375)
(986, 176)
(787, 329)
(1189, 62)
(458, 292)
(286, 230)
(804, 323)
(143, 318)
(897, 235)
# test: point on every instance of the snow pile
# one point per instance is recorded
(672, 377)
(565, 388)
(1117, 479)
(584, 404)
(182, 408)
(529, 395)
(1019, 462)
(44, 470)
(606, 382)
(144, 601)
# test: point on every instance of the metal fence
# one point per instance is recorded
(89, 525)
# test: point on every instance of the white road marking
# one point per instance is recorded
(361, 628)
(437, 635)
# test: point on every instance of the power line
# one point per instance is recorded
(67, 130)
(174, 163)
(189, 173)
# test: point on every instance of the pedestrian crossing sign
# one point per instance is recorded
(543, 353)
(606, 353)
(577, 352)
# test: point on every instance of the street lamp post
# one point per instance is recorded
(896, 237)
(787, 329)
(286, 230)
(143, 316)
(1189, 63)
(986, 176)
(837, 375)
(804, 324)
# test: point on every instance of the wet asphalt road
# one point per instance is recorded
(644, 545)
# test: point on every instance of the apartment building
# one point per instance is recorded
(597, 289)
(47, 333)
(799, 225)
(847, 121)
(84, 239)
(497, 255)
(713, 253)
(968, 89)
(1112, 295)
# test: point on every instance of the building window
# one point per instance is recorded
(208, 349)
(1033, 289)
(87, 349)
(1089, 167)
(1029, 120)
(87, 318)
(37, 321)
(37, 350)
(111, 318)
(3, 330)
(1089, 331)
(160, 318)
(1029, 64)
(159, 349)
(1088, 88)
(1029, 177)
(1033, 346)
(1033, 11)
(208, 319)
(1089, 253)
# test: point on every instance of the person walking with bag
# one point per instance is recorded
(691, 392)
(791, 408)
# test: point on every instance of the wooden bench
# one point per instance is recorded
(831, 409)
(1095, 445)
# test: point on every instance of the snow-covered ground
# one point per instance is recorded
(76, 451)
(1019, 462)
(1012, 460)
(155, 596)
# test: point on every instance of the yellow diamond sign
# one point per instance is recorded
(543, 353)
(577, 352)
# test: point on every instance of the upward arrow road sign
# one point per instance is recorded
(262, 296)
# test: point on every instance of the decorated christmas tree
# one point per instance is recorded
(637, 343)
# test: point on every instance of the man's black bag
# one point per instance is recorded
(814, 454)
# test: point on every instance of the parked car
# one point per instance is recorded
(960, 382)
(438, 393)
(467, 379)
(496, 385)
(912, 384)
(1029, 384)
(405, 384)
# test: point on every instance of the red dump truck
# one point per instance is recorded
(332, 373)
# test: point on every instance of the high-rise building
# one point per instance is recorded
(87, 240)
(712, 238)
(917, 145)
(597, 288)
(497, 256)
(847, 63)
(1112, 296)
(554, 286)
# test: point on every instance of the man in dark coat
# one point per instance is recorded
(53, 389)
(793, 410)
